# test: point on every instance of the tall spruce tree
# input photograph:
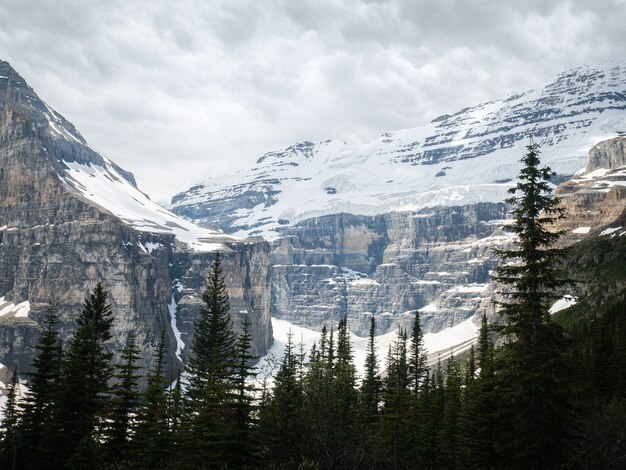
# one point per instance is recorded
(83, 385)
(124, 403)
(281, 415)
(152, 443)
(533, 372)
(43, 382)
(396, 438)
(477, 423)
(211, 369)
(417, 355)
(244, 439)
(371, 384)
(11, 437)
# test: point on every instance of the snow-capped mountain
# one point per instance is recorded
(94, 177)
(467, 157)
(70, 218)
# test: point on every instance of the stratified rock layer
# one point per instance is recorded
(56, 243)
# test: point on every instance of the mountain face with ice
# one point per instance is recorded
(70, 217)
(410, 220)
(466, 157)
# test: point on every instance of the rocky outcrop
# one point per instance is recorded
(438, 261)
(59, 236)
(595, 197)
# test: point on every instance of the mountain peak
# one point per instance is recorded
(468, 156)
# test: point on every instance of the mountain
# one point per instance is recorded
(70, 217)
(409, 220)
(469, 156)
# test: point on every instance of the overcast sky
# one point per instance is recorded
(176, 91)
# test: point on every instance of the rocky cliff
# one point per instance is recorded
(410, 220)
(436, 260)
(70, 218)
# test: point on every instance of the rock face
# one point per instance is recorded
(464, 158)
(436, 260)
(70, 218)
(410, 220)
(596, 196)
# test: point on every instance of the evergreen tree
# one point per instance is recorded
(395, 424)
(417, 356)
(151, 443)
(10, 430)
(533, 371)
(83, 385)
(124, 404)
(211, 373)
(477, 421)
(282, 412)
(244, 445)
(449, 432)
(38, 403)
(370, 387)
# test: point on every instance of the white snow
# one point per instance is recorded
(470, 288)
(180, 345)
(20, 310)
(564, 302)
(105, 187)
(582, 230)
(332, 177)
(461, 336)
(609, 231)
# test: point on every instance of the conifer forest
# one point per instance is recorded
(535, 391)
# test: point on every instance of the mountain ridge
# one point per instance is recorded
(460, 158)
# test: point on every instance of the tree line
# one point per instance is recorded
(529, 395)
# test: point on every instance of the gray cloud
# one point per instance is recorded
(179, 91)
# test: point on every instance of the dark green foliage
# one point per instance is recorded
(10, 444)
(532, 374)
(211, 374)
(124, 404)
(244, 439)
(83, 385)
(38, 405)
(395, 424)
(281, 414)
(417, 355)
(477, 425)
(152, 443)
(371, 384)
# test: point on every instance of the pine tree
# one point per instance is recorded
(11, 436)
(124, 403)
(417, 356)
(346, 445)
(533, 372)
(282, 413)
(211, 369)
(243, 442)
(43, 382)
(83, 385)
(395, 423)
(449, 432)
(152, 443)
(477, 421)
(370, 387)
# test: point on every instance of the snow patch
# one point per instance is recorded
(582, 230)
(609, 231)
(564, 302)
(461, 336)
(180, 345)
(20, 310)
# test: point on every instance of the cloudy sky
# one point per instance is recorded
(177, 91)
